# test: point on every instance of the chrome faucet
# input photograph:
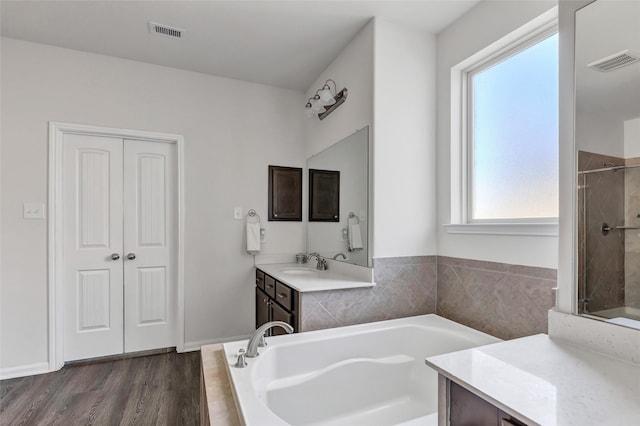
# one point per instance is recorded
(344, 256)
(252, 347)
(322, 263)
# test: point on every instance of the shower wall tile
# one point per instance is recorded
(601, 265)
(405, 286)
(632, 236)
(507, 301)
(592, 161)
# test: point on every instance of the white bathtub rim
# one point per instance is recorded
(254, 411)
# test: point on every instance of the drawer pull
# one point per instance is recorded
(282, 295)
(269, 285)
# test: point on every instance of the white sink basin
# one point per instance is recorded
(298, 271)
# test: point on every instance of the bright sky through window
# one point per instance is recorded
(514, 172)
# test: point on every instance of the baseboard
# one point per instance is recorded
(195, 346)
(24, 370)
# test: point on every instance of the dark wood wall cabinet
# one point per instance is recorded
(276, 301)
(324, 195)
(285, 193)
(468, 409)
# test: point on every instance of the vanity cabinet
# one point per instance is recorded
(275, 301)
(468, 409)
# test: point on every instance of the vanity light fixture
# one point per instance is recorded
(325, 101)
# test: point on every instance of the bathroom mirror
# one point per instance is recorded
(348, 238)
(607, 73)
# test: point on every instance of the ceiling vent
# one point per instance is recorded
(165, 30)
(615, 61)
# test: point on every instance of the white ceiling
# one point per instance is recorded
(281, 43)
(602, 29)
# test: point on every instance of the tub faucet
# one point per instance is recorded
(252, 347)
(344, 256)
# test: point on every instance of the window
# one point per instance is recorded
(513, 135)
(504, 147)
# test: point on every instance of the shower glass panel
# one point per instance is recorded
(609, 240)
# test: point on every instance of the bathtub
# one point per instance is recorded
(368, 374)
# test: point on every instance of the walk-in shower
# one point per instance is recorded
(607, 122)
(608, 237)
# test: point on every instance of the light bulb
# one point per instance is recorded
(326, 97)
(317, 107)
(308, 111)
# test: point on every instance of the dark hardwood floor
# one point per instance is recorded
(152, 390)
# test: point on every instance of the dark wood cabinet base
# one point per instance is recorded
(276, 301)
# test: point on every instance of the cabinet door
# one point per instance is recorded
(468, 409)
(324, 195)
(262, 307)
(285, 193)
(279, 314)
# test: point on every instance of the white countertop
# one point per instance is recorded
(336, 277)
(548, 382)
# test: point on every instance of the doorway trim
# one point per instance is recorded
(57, 130)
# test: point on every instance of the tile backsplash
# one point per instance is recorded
(507, 301)
(405, 286)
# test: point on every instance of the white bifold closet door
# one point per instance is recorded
(119, 245)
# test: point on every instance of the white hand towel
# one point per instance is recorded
(355, 238)
(253, 238)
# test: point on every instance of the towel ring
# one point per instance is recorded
(252, 214)
(355, 217)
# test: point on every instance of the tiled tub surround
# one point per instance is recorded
(503, 300)
(405, 286)
(506, 301)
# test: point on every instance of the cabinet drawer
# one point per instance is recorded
(270, 286)
(260, 279)
(283, 296)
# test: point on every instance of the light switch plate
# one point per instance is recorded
(33, 211)
(237, 213)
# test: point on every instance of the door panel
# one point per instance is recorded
(152, 291)
(93, 299)
(150, 223)
(92, 220)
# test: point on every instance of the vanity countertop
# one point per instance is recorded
(548, 382)
(306, 278)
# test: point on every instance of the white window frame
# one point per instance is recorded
(461, 133)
